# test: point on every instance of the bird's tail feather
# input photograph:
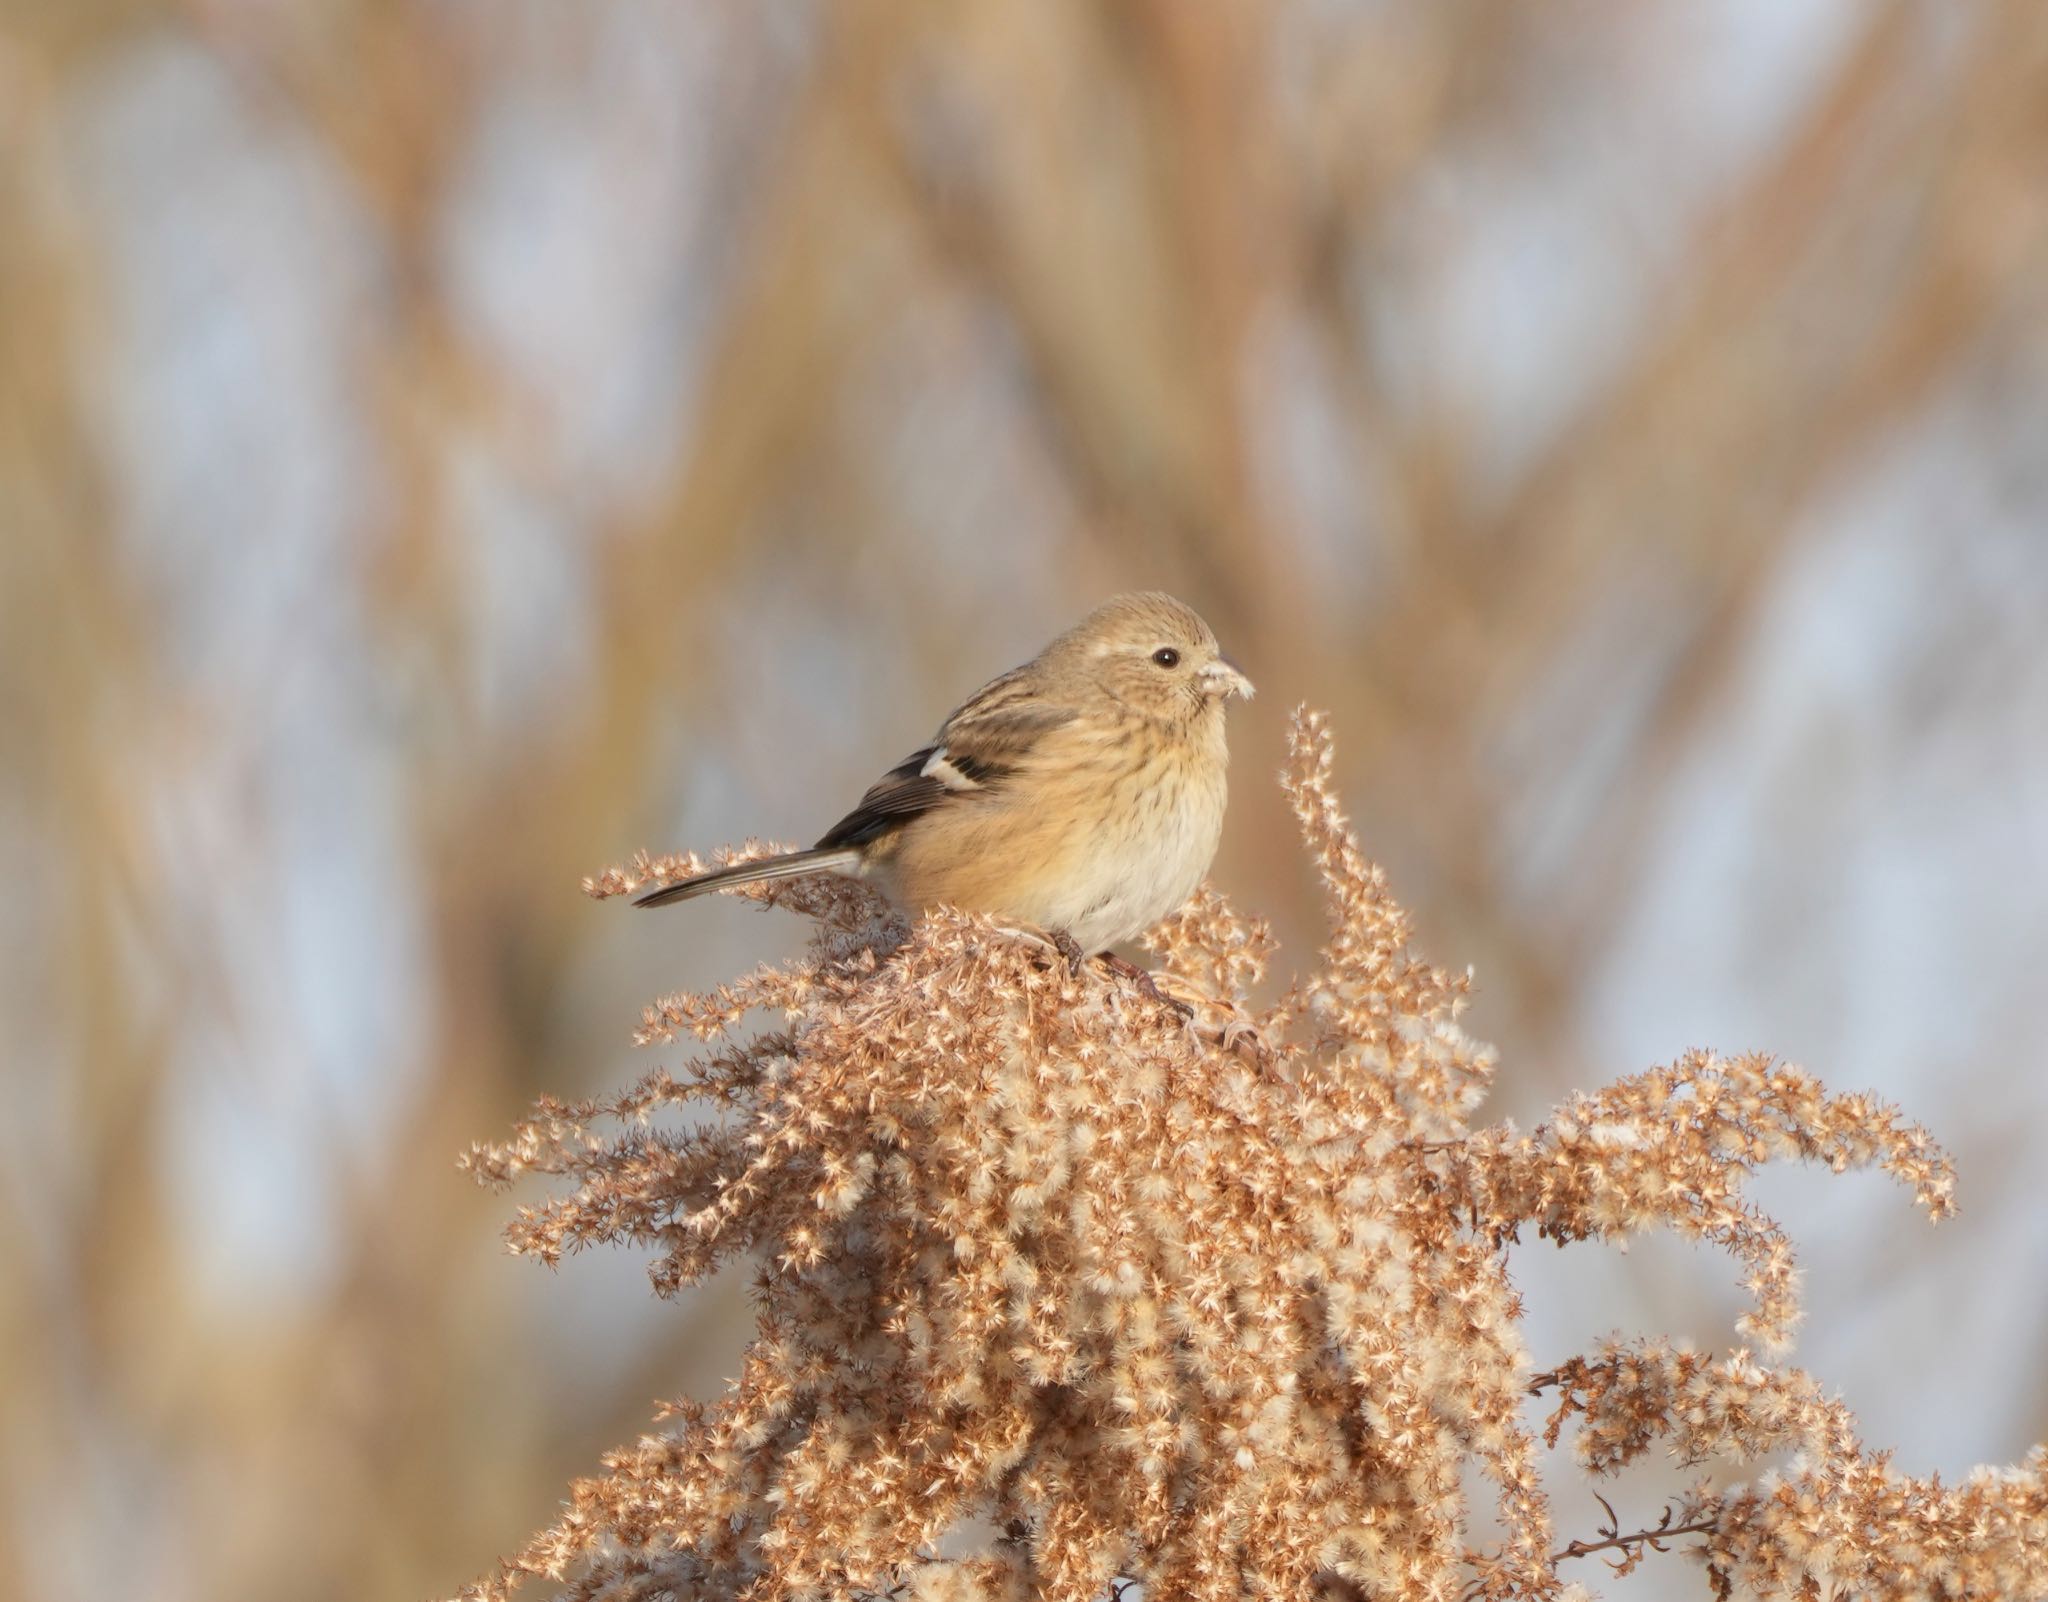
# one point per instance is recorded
(790, 866)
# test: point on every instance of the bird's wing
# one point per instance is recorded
(979, 747)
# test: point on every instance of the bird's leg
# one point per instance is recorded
(1145, 982)
(1070, 948)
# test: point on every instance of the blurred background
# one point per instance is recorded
(447, 445)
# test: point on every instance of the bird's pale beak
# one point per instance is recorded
(1222, 677)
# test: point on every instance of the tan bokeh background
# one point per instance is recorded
(446, 446)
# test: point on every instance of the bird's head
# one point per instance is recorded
(1155, 655)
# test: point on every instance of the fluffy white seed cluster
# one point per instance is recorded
(1059, 1289)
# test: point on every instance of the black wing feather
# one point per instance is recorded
(984, 742)
(904, 792)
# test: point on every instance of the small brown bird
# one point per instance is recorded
(1082, 792)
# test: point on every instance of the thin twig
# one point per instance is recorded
(1633, 1545)
(1653, 1538)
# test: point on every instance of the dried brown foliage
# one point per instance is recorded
(1219, 1305)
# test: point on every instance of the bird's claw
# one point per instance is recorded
(1144, 980)
(1070, 948)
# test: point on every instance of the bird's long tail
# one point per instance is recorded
(839, 859)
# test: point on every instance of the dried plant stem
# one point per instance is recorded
(1208, 1297)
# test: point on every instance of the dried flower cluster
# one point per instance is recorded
(1057, 1287)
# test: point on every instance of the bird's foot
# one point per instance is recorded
(1070, 948)
(1241, 1038)
(1127, 969)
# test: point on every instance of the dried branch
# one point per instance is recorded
(1037, 1251)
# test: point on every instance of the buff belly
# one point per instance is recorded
(1103, 862)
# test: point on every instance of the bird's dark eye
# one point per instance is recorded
(1166, 656)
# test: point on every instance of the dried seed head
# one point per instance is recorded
(1220, 1307)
